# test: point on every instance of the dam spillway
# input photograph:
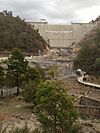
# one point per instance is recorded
(62, 36)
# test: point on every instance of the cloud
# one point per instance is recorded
(89, 14)
(55, 11)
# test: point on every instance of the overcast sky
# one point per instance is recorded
(54, 11)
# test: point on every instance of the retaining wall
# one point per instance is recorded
(89, 111)
(89, 107)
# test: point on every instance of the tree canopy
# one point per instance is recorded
(33, 77)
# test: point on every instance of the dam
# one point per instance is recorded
(62, 36)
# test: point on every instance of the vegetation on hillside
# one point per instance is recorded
(52, 105)
(88, 58)
(15, 33)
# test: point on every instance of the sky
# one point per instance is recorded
(54, 11)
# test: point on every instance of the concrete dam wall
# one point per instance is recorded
(62, 36)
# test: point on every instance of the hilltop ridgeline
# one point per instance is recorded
(15, 33)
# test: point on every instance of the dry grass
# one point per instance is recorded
(14, 106)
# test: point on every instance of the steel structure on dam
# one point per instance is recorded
(62, 36)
